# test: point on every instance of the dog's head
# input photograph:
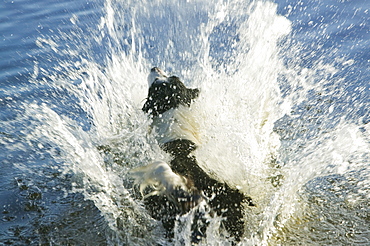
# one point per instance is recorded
(156, 74)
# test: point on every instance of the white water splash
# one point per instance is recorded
(231, 50)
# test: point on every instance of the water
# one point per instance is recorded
(283, 113)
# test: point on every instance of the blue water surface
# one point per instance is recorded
(35, 205)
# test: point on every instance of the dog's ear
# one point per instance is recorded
(249, 201)
(193, 93)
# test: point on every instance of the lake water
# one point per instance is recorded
(283, 112)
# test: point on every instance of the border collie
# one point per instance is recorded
(182, 184)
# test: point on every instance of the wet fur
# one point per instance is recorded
(169, 93)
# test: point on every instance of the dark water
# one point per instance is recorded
(284, 114)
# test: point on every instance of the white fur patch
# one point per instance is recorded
(160, 176)
(176, 123)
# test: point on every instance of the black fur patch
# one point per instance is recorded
(163, 96)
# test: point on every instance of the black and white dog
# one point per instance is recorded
(182, 184)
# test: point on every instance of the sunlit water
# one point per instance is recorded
(283, 113)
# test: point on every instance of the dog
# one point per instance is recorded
(182, 184)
